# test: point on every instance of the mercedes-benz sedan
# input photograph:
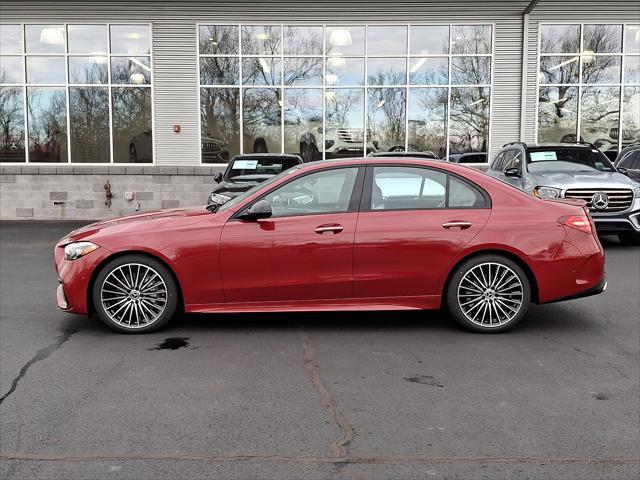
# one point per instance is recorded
(353, 234)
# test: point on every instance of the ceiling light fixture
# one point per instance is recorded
(264, 65)
(52, 36)
(340, 38)
(140, 64)
(418, 64)
(562, 64)
(137, 78)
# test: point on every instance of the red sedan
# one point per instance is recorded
(355, 234)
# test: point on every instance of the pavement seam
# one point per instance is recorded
(338, 447)
(40, 355)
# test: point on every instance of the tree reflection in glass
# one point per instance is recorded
(132, 136)
(11, 125)
(469, 120)
(303, 134)
(220, 124)
(261, 116)
(47, 119)
(631, 115)
(600, 116)
(557, 114)
(386, 119)
(89, 124)
(344, 110)
(428, 120)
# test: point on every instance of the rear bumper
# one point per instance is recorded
(597, 289)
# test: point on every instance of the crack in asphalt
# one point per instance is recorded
(338, 447)
(40, 355)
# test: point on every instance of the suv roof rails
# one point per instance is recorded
(515, 143)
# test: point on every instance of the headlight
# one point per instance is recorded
(547, 192)
(636, 192)
(219, 198)
(76, 250)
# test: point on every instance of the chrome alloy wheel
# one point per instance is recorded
(490, 294)
(133, 295)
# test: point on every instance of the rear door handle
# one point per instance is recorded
(333, 228)
(457, 224)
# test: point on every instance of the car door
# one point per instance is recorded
(413, 221)
(304, 251)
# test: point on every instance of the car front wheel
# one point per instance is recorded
(488, 293)
(135, 294)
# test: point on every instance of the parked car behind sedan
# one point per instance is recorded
(246, 171)
(468, 157)
(580, 171)
(628, 161)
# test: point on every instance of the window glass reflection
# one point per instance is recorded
(220, 124)
(303, 134)
(470, 70)
(344, 71)
(601, 69)
(218, 39)
(559, 70)
(219, 71)
(386, 119)
(387, 71)
(130, 39)
(261, 116)
(631, 116)
(557, 114)
(303, 71)
(387, 39)
(429, 71)
(466, 39)
(599, 117)
(469, 120)
(344, 135)
(10, 39)
(132, 70)
(47, 120)
(11, 70)
(345, 40)
(559, 38)
(632, 69)
(87, 39)
(261, 40)
(89, 124)
(602, 38)
(428, 120)
(45, 38)
(132, 135)
(45, 70)
(632, 38)
(88, 69)
(12, 122)
(261, 71)
(302, 40)
(429, 39)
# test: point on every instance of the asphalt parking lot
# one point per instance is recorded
(356, 396)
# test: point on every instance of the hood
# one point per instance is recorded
(240, 185)
(593, 179)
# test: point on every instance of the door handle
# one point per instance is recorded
(457, 224)
(333, 228)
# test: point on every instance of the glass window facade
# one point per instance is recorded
(329, 91)
(76, 93)
(589, 84)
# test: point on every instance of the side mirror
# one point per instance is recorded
(623, 171)
(260, 209)
(217, 177)
(512, 172)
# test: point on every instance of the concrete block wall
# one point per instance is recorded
(29, 192)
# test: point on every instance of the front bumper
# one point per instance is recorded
(617, 223)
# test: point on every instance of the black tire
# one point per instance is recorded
(629, 238)
(167, 298)
(260, 146)
(497, 299)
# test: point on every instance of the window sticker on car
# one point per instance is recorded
(542, 156)
(244, 165)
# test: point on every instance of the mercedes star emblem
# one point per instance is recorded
(600, 201)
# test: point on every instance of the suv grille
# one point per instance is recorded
(619, 199)
(351, 135)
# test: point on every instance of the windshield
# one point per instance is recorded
(543, 160)
(260, 166)
(252, 190)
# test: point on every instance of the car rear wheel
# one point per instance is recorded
(135, 294)
(629, 238)
(488, 293)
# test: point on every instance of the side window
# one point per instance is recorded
(497, 161)
(328, 191)
(508, 156)
(398, 188)
(631, 160)
(461, 194)
(516, 160)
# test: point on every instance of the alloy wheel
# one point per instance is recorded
(490, 294)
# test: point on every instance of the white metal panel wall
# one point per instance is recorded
(572, 11)
(174, 47)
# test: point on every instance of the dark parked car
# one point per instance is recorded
(425, 155)
(247, 171)
(628, 161)
(469, 157)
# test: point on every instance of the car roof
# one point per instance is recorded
(550, 145)
(267, 155)
(404, 154)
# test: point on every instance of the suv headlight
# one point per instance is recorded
(75, 250)
(636, 192)
(547, 192)
(219, 198)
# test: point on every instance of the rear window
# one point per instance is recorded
(260, 166)
(542, 160)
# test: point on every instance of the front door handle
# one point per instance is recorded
(333, 228)
(457, 224)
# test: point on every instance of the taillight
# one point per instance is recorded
(579, 222)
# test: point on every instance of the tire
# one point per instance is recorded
(629, 238)
(488, 310)
(135, 310)
(133, 154)
(260, 146)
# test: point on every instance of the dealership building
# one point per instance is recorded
(107, 108)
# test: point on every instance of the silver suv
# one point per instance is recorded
(580, 171)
